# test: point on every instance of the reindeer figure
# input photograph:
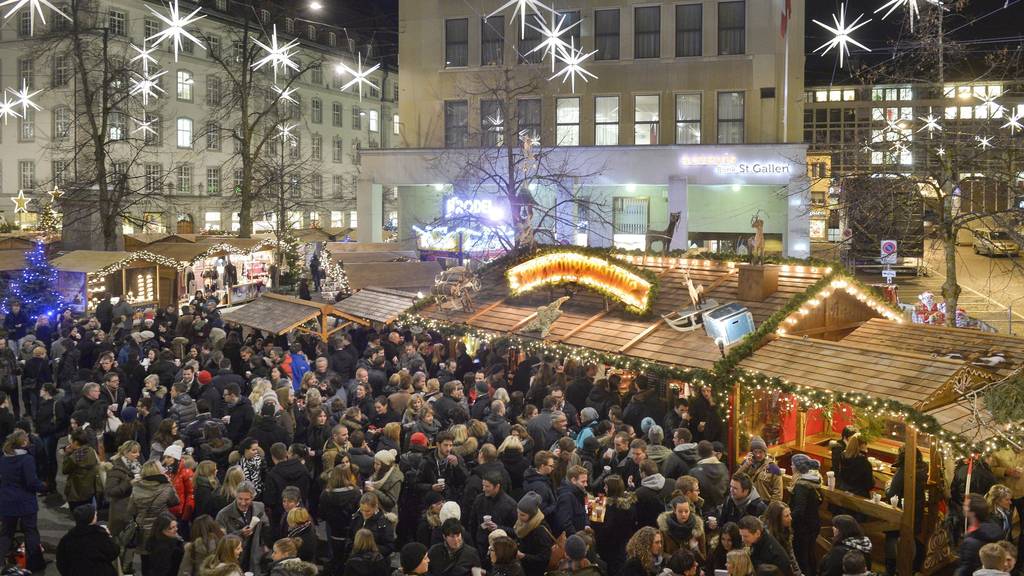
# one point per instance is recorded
(757, 242)
(696, 292)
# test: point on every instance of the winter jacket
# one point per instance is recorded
(367, 564)
(713, 478)
(184, 487)
(804, 503)
(194, 554)
(296, 567)
(219, 453)
(165, 555)
(205, 497)
(291, 472)
(633, 567)
(87, 551)
(619, 524)
(534, 481)
(82, 468)
(241, 418)
(670, 464)
(431, 469)
(856, 476)
(232, 520)
(516, 465)
(337, 508)
(767, 550)
(151, 496)
(183, 410)
(444, 562)
(766, 477)
(300, 365)
(118, 492)
(267, 432)
(650, 500)
(570, 509)
(501, 509)
(19, 484)
(985, 533)
(752, 505)
(382, 528)
(535, 541)
(676, 535)
(388, 489)
(832, 563)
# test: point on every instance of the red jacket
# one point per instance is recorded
(182, 482)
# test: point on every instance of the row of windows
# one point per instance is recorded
(213, 220)
(646, 120)
(647, 31)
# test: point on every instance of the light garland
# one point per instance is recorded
(593, 272)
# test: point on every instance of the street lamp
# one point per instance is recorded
(315, 6)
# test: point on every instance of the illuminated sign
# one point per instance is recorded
(728, 165)
(708, 160)
(590, 271)
(480, 207)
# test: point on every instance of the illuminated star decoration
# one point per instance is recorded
(521, 6)
(146, 127)
(931, 123)
(1014, 123)
(893, 126)
(286, 94)
(552, 44)
(55, 194)
(284, 132)
(7, 109)
(984, 142)
(866, 148)
(898, 148)
(940, 151)
(994, 108)
(912, 6)
(842, 33)
(175, 27)
(34, 7)
(573, 58)
(20, 202)
(359, 76)
(24, 98)
(144, 54)
(279, 56)
(146, 85)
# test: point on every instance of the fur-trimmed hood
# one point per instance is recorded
(293, 567)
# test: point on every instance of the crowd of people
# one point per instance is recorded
(207, 450)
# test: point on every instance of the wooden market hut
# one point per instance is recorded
(84, 274)
(410, 277)
(381, 306)
(279, 314)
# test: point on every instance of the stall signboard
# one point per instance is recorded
(71, 286)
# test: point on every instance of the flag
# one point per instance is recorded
(787, 13)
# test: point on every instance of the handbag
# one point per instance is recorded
(128, 537)
(557, 551)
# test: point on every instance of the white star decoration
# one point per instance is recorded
(1014, 123)
(24, 98)
(34, 7)
(912, 6)
(284, 132)
(521, 6)
(573, 58)
(144, 54)
(285, 94)
(842, 33)
(279, 56)
(21, 202)
(931, 123)
(145, 127)
(940, 151)
(7, 109)
(984, 142)
(994, 108)
(893, 126)
(175, 30)
(552, 43)
(146, 84)
(359, 76)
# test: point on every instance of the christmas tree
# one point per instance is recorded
(36, 289)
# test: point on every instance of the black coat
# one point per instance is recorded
(534, 481)
(856, 476)
(570, 511)
(611, 536)
(337, 508)
(366, 564)
(165, 556)
(501, 509)
(87, 551)
(445, 563)
(832, 563)
(516, 464)
(267, 432)
(803, 504)
(767, 550)
(536, 547)
(242, 416)
(985, 533)
(382, 528)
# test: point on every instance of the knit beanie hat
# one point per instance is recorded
(575, 548)
(756, 443)
(432, 498)
(411, 556)
(803, 463)
(129, 414)
(450, 510)
(418, 439)
(204, 377)
(646, 424)
(386, 457)
(529, 504)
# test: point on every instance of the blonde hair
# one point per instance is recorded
(433, 385)
(206, 469)
(313, 398)
(364, 541)
(39, 351)
(459, 433)
(393, 430)
(996, 493)
(854, 446)
(152, 468)
(127, 447)
(297, 516)
(738, 563)
(260, 386)
(232, 478)
(305, 380)
(510, 442)
(640, 544)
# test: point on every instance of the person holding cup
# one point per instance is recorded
(803, 504)
(491, 510)
(443, 471)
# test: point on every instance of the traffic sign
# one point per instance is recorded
(889, 252)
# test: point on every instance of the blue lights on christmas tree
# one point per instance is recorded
(36, 289)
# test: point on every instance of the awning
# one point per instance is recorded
(377, 304)
(279, 314)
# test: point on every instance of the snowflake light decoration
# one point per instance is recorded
(842, 31)
(552, 43)
(995, 109)
(175, 30)
(34, 7)
(285, 94)
(913, 7)
(521, 6)
(144, 54)
(984, 142)
(23, 98)
(147, 85)
(284, 132)
(7, 109)
(359, 76)
(573, 59)
(1014, 123)
(931, 123)
(940, 151)
(146, 127)
(278, 55)
(893, 126)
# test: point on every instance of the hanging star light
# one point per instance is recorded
(359, 76)
(20, 202)
(866, 148)
(552, 44)
(286, 94)
(913, 8)
(931, 124)
(278, 55)
(940, 151)
(1014, 123)
(521, 6)
(573, 58)
(842, 39)
(989, 102)
(147, 85)
(284, 132)
(34, 7)
(175, 30)
(146, 127)
(55, 194)
(144, 54)
(24, 98)
(984, 142)
(7, 109)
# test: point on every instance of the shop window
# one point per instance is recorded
(606, 120)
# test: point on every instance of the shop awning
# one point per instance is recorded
(377, 304)
(411, 276)
(89, 261)
(279, 314)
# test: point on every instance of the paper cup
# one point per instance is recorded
(487, 518)
(440, 481)
(876, 498)
(895, 501)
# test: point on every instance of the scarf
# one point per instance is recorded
(252, 469)
(297, 531)
(523, 529)
(679, 531)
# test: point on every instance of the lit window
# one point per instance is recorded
(567, 120)
(394, 125)
(606, 121)
(337, 219)
(688, 118)
(184, 132)
(212, 220)
(849, 95)
(646, 117)
(835, 95)
(730, 117)
(184, 85)
(353, 219)
(374, 121)
(821, 96)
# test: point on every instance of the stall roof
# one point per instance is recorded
(586, 322)
(12, 260)
(377, 304)
(941, 341)
(357, 257)
(338, 247)
(179, 251)
(913, 379)
(280, 314)
(408, 275)
(89, 260)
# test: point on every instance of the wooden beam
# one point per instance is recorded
(825, 329)
(522, 322)
(905, 562)
(734, 436)
(801, 429)
(646, 332)
(485, 311)
(585, 323)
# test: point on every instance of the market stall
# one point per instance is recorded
(234, 270)
(279, 314)
(379, 305)
(143, 278)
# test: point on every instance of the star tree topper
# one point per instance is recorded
(175, 27)
(34, 7)
(842, 39)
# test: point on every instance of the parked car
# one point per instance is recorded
(995, 243)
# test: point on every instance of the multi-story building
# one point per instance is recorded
(694, 107)
(189, 160)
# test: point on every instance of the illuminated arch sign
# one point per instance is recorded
(593, 272)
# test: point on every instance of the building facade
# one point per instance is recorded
(189, 163)
(685, 99)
